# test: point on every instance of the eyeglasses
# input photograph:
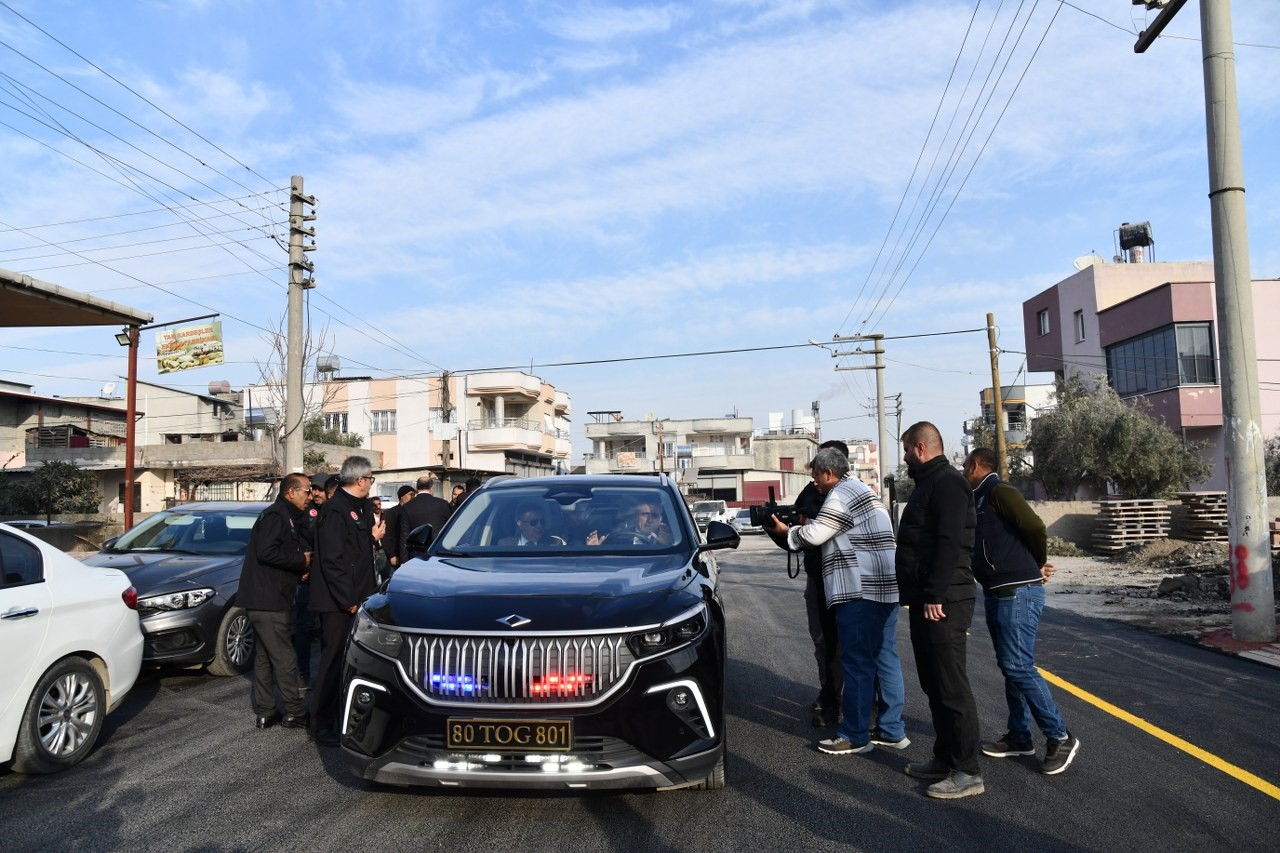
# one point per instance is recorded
(370, 479)
(646, 514)
(532, 522)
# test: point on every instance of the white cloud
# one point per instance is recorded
(598, 22)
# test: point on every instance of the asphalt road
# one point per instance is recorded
(182, 768)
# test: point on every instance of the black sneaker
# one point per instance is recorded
(1059, 754)
(931, 769)
(1008, 745)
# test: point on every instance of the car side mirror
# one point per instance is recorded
(720, 535)
(110, 543)
(419, 541)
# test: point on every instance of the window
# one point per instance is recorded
(336, 421)
(1079, 326)
(20, 562)
(1042, 322)
(1180, 354)
(384, 421)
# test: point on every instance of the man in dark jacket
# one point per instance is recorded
(1010, 562)
(935, 580)
(275, 558)
(391, 541)
(343, 578)
(424, 508)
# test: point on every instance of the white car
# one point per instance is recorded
(72, 649)
(741, 522)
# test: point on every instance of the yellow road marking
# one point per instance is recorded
(1173, 740)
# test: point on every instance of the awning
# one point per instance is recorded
(28, 301)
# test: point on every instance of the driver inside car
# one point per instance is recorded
(642, 524)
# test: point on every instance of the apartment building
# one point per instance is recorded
(709, 457)
(1151, 330)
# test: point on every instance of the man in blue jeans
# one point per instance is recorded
(1009, 561)
(856, 539)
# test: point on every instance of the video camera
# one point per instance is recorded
(788, 514)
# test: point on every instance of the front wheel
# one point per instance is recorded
(715, 779)
(62, 720)
(233, 649)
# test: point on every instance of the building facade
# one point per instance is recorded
(707, 456)
(1151, 330)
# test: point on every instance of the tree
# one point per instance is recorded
(1271, 460)
(1094, 438)
(55, 488)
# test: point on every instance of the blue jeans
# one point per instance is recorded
(869, 652)
(1013, 622)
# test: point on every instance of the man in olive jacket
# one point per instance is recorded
(344, 577)
(935, 580)
(275, 558)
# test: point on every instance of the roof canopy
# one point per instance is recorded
(31, 302)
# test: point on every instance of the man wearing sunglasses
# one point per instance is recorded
(531, 523)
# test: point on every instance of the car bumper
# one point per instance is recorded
(637, 738)
(182, 637)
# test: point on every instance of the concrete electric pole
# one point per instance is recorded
(997, 401)
(1253, 615)
(878, 351)
(295, 357)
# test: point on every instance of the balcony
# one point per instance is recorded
(726, 426)
(562, 403)
(705, 459)
(89, 458)
(625, 428)
(507, 434)
(625, 462)
(506, 383)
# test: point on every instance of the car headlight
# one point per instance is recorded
(375, 638)
(176, 600)
(683, 630)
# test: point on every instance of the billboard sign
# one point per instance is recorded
(188, 346)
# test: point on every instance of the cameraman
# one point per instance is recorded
(853, 531)
(822, 622)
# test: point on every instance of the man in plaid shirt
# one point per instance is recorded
(856, 539)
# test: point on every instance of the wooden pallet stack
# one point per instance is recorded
(1206, 516)
(1129, 521)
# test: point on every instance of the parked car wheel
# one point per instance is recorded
(235, 644)
(715, 779)
(62, 720)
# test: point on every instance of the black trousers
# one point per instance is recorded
(826, 641)
(939, 649)
(327, 686)
(275, 665)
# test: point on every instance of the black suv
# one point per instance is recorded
(560, 632)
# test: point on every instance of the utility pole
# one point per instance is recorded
(1252, 595)
(878, 351)
(997, 400)
(446, 411)
(295, 358)
(897, 432)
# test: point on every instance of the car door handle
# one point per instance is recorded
(21, 614)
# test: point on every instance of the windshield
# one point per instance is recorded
(192, 531)
(572, 519)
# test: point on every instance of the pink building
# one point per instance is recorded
(1151, 329)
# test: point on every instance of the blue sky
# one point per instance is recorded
(526, 183)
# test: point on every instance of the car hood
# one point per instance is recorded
(472, 594)
(152, 570)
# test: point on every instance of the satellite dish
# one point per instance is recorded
(107, 390)
(1086, 261)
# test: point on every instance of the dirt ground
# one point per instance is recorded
(1170, 586)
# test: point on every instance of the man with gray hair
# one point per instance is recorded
(856, 537)
(345, 538)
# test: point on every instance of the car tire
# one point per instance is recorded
(62, 720)
(233, 648)
(716, 778)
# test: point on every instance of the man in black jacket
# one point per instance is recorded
(391, 541)
(275, 558)
(935, 580)
(1010, 561)
(424, 508)
(343, 578)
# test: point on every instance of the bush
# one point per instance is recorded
(1059, 547)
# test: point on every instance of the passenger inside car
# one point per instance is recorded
(531, 525)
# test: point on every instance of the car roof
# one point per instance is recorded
(594, 480)
(221, 506)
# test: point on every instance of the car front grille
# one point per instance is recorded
(526, 670)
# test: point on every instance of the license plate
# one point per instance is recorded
(509, 735)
